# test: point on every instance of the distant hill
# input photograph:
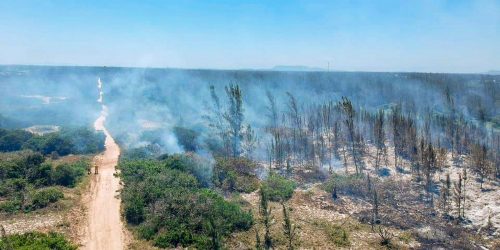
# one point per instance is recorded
(296, 68)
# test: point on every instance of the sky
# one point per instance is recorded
(406, 35)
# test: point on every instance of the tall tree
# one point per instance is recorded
(234, 116)
(479, 162)
(429, 168)
(445, 194)
(217, 122)
(272, 110)
(458, 195)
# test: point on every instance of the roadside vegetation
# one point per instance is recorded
(168, 202)
(38, 177)
(29, 182)
(36, 240)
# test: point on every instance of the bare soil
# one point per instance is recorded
(104, 229)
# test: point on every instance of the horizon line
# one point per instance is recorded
(313, 69)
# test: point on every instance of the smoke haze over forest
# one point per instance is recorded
(252, 124)
(141, 100)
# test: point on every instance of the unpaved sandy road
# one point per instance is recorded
(105, 229)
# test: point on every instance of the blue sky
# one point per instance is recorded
(406, 35)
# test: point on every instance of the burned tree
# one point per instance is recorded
(379, 137)
(429, 165)
(396, 132)
(479, 162)
(446, 194)
(288, 228)
(375, 205)
(349, 115)
(272, 111)
(458, 195)
(217, 123)
(234, 117)
(265, 212)
(249, 141)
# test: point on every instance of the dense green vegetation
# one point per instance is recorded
(168, 202)
(64, 142)
(35, 240)
(29, 182)
(278, 188)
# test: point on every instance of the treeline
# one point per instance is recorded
(60, 143)
(29, 182)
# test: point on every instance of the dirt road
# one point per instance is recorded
(105, 229)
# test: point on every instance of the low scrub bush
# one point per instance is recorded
(354, 185)
(43, 197)
(235, 174)
(336, 233)
(69, 174)
(278, 188)
(36, 240)
(10, 206)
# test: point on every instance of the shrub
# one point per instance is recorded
(36, 240)
(10, 206)
(174, 237)
(43, 197)
(69, 174)
(354, 184)
(134, 208)
(278, 188)
(336, 233)
(40, 175)
(12, 186)
(235, 174)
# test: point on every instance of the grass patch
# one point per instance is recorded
(337, 234)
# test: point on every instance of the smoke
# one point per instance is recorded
(145, 105)
(46, 99)
(99, 87)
